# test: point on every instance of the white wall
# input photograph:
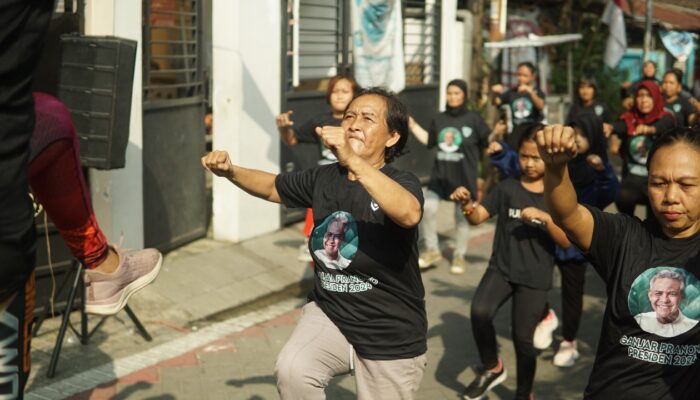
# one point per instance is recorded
(450, 47)
(118, 195)
(246, 91)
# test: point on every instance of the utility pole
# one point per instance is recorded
(647, 30)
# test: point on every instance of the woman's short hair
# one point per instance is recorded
(675, 72)
(690, 136)
(396, 119)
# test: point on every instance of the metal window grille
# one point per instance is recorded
(171, 36)
(421, 29)
(319, 42)
(317, 37)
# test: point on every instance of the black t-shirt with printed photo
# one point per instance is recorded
(374, 292)
(459, 141)
(522, 252)
(522, 108)
(632, 363)
(306, 133)
(635, 149)
(681, 110)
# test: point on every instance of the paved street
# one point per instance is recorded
(232, 356)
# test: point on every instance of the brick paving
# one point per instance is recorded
(239, 364)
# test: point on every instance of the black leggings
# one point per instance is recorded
(573, 277)
(633, 191)
(492, 293)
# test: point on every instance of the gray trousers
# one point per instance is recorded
(428, 225)
(317, 351)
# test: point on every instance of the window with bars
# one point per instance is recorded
(171, 37)
(421, 41)
(319, 42)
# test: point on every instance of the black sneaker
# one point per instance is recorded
(483, 382)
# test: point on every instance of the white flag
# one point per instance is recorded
(377, 29)
(617, 41)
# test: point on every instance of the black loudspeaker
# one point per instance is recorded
(97, 75)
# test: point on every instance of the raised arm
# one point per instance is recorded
(557, 146)
(397, 203)
(474, 212)
(257, 183)
(284, 127)
(418, 131)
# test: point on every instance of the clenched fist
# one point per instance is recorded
(336, 139)
(219, 163)
(284, 121)
(557, 144)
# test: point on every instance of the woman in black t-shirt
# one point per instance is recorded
(520, 267)
(587, 100)
(460, 136)
(648, 347)
(676, 103)
(341, 89)
(637, 129)
(366, 313)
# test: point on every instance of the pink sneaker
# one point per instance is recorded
(107, 294)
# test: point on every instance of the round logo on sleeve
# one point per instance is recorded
(665, 301)
(334, 242)
(598, 110)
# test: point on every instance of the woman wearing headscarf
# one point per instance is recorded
(460, 136)
(637, 129)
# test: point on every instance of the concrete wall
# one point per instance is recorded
(118, 195)
(450, 47)
(246, 95)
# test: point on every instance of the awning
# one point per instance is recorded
(670, 16)
(534, 41)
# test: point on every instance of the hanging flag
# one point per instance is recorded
(377, 29)
(617, 40)
(679, 44)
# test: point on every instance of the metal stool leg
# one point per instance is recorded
(142, 330)
(84, 334)
(65, 322)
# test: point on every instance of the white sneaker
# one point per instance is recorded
(304, 254)
(459, 265)
(566, 355)
(543, 333)
(428, 258)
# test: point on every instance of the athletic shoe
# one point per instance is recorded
(458, 266)
(483, 382)
(428, 258)
(566, 355)
(543, 333)
(107, 293)
(304, 254)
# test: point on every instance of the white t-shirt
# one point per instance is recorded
(648, 322)
(340, 263)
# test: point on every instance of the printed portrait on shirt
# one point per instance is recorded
(522, 107)
(334, 242)
(639, 148)
(665, 301)
(449, 139)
